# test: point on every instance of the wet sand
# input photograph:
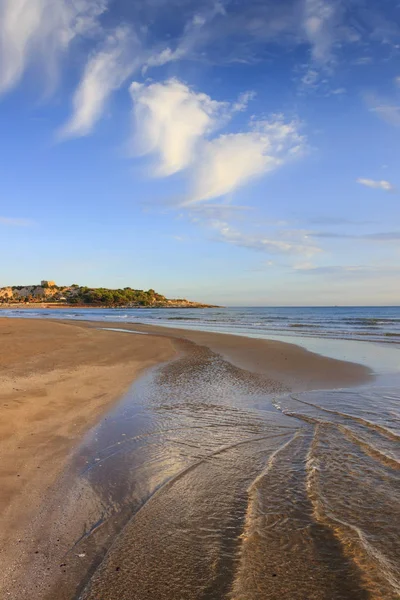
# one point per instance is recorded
(181, 502)
(238, 490)
(286, 364)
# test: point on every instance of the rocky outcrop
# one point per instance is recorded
(6, 293)
(30, 291)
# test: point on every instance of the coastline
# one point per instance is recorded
(62, 377)
(56, 305)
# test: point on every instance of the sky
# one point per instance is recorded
(239, 152)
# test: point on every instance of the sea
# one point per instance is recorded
(380, 324)
(214, 486)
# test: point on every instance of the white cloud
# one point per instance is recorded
(232, 160)
(380, 185)
(104, 73)
(158, 59)
(41, 30)
(14, 222)
(170, 121)
(174, 122)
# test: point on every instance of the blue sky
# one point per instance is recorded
(236, 152)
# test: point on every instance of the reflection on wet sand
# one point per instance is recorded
(221, 484)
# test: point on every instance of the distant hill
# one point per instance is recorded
(50, 293)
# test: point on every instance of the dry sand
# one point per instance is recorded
(57, 379)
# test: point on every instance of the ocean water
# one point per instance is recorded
(379, 324)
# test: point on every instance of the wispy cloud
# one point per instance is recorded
(243, 101)
(379, 185)
(104, 73)
(15, 222)
(295, 243)
(41, 31)
(237, 29)
(320, 19)
(194, 36)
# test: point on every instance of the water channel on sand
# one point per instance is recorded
(222, 485)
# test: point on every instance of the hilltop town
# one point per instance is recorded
(49, 294)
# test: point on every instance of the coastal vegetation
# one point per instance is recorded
(50, 293)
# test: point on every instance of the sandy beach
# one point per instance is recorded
(59, 379)
(56, 380)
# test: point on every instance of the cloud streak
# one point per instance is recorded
(378, 185)
(104, 73)
(41, 31)
(294, 243)
(320, 19)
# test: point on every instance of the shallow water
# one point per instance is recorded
(222, 485)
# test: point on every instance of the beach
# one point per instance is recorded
(56, 381)
(217, 435)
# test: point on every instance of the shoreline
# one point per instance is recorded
(64, 376)
(294, 334)
(288, 363)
